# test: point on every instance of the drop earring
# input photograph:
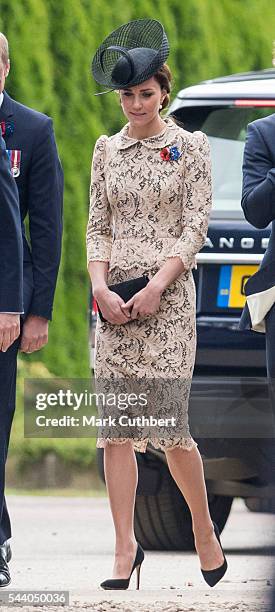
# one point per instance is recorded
(160, 106)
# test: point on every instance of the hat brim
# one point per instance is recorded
(141, 48)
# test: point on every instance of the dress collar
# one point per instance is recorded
(163, 139)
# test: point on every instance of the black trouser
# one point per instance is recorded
(8, 370)
(270, 343)
(270, 364)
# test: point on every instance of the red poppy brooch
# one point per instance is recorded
(170, 154)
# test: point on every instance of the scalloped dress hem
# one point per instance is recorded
(141, 445)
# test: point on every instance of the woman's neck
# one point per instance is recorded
(145, 131)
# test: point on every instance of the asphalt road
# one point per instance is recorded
(67, 544)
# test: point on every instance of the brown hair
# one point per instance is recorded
(4, 49)
(164, 77)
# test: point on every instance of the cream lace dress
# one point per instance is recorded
(143, 210)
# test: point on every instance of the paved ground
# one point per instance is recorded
(68, 543)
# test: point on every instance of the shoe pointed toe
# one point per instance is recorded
(115, 583)
(215, 575)
(123, 583)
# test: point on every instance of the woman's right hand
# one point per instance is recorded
(109, 303)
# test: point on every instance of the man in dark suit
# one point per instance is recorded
(11, 255)
(36, 168)
(11, 306)
(258, 203)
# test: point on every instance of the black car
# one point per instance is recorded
(229, 405)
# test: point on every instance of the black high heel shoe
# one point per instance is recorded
(213, 576)
(123, 583)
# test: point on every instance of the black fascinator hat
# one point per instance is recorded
(131, 54)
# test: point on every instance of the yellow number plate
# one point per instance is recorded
(231, 285)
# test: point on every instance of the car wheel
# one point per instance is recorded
(162, 519)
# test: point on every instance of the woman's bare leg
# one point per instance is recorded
(121, 476)
(186, 467)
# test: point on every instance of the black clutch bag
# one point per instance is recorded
(126, 290)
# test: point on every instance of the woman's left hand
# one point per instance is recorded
(144, 302)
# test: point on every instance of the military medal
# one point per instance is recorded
(15, 160)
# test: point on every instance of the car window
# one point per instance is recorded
(226, 131)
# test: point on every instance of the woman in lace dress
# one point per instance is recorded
(149, 215)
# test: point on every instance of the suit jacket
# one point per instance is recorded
(258, 203)
(11, 247)
(38, 173)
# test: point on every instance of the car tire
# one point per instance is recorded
(162, 518)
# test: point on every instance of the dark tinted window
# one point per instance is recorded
(226, 130)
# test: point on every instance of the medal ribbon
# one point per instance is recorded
(15, 158)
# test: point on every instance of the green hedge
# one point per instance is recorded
(51, 45)
(79, 452)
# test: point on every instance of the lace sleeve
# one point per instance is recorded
(197, 202)
(99, 227)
